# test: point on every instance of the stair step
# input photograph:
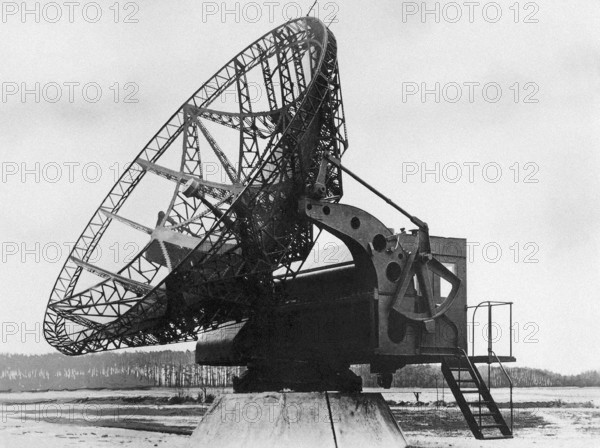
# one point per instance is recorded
(486, 414)
(477, 403)
(466, 381)
(470, 391)
(497, 437)
(492, 426)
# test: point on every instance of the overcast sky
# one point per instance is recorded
(524, 134)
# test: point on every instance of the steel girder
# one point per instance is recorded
(240, 232)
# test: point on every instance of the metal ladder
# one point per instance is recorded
(480, 410)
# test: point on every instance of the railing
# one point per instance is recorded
(490, 305)
(492, 357)
(471, 366)
(510, 385)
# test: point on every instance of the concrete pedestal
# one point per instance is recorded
(298, 420)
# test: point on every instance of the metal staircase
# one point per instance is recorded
(474, 398)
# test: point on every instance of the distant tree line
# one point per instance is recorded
(110, 370)
(177, 369)
(426, 376)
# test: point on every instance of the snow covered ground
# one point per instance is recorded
(93, 419)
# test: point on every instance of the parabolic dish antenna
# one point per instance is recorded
(234, 160)
(222, 202)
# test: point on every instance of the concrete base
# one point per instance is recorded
(298, 420)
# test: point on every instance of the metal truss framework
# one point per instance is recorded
(229, 237)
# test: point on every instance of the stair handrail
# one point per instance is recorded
(475, 378)
(510, 385)
(470, 366)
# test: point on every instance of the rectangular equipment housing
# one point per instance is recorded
(330, 317)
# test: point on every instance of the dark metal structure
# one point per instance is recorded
(223, 264)
(211, 256)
